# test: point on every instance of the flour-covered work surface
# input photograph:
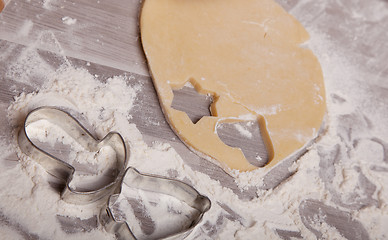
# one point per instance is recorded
(84, 57)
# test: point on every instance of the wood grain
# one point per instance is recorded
(106, 32)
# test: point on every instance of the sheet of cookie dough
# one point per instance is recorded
(1, 5)
(246, 54)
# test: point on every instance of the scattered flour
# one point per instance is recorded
(26, 28)
(346, 168)
(271, 110)
(69, 21)
(243, 131)
(48, 4)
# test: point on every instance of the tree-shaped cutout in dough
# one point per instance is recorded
(248, 54)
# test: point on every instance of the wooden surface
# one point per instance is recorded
(106, 34)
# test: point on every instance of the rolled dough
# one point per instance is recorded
(246, 54)
(1, 5)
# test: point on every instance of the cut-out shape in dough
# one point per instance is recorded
(245, 135)
(247, 55)
(195, 105)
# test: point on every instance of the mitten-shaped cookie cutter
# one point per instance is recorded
(64, 171)
(159, 185)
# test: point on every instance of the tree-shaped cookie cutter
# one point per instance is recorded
(155, 184)
(64, 171)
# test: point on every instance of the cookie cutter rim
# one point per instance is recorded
(63, 170)
(121, 228)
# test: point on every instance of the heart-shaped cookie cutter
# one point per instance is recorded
(64, 171)
(155, 184)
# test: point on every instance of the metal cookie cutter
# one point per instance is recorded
(114, 218)
(63, 170)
